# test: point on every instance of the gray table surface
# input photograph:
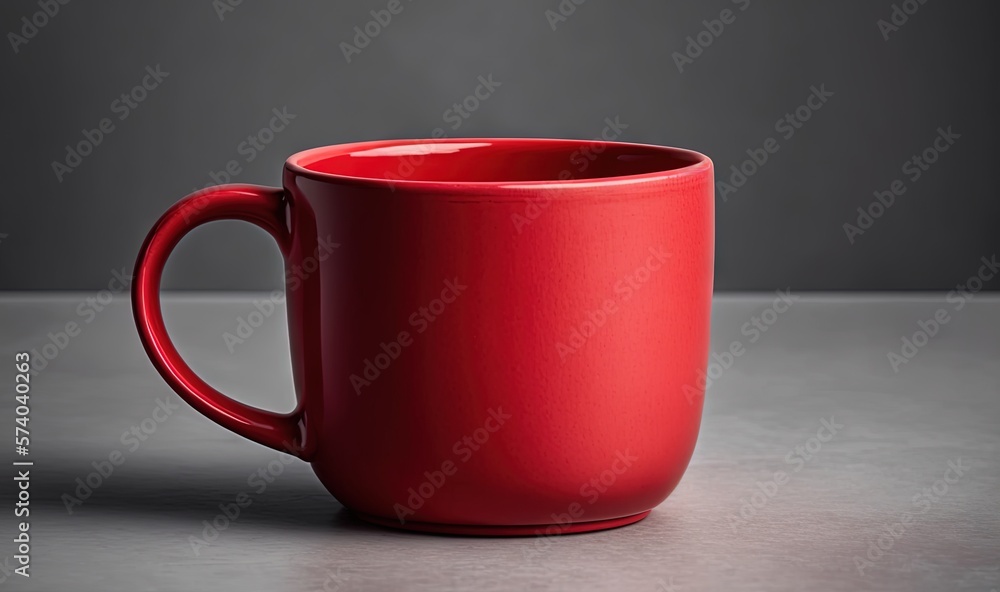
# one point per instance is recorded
(824, 359)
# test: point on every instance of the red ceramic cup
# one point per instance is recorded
(510, 338)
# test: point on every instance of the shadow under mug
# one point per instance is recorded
(488, 336)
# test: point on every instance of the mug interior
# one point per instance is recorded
(506, 160)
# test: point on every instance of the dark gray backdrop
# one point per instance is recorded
(783, 228)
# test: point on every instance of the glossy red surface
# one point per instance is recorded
(511, 333)
(532, 530)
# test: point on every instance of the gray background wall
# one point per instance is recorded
(783, 228)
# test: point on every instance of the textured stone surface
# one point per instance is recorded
(824, 359)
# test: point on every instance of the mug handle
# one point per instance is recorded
(263, 206)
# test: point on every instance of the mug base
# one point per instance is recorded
(509, 530)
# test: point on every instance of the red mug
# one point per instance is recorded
(510, 338)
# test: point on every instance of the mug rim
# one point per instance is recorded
(299, 162)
